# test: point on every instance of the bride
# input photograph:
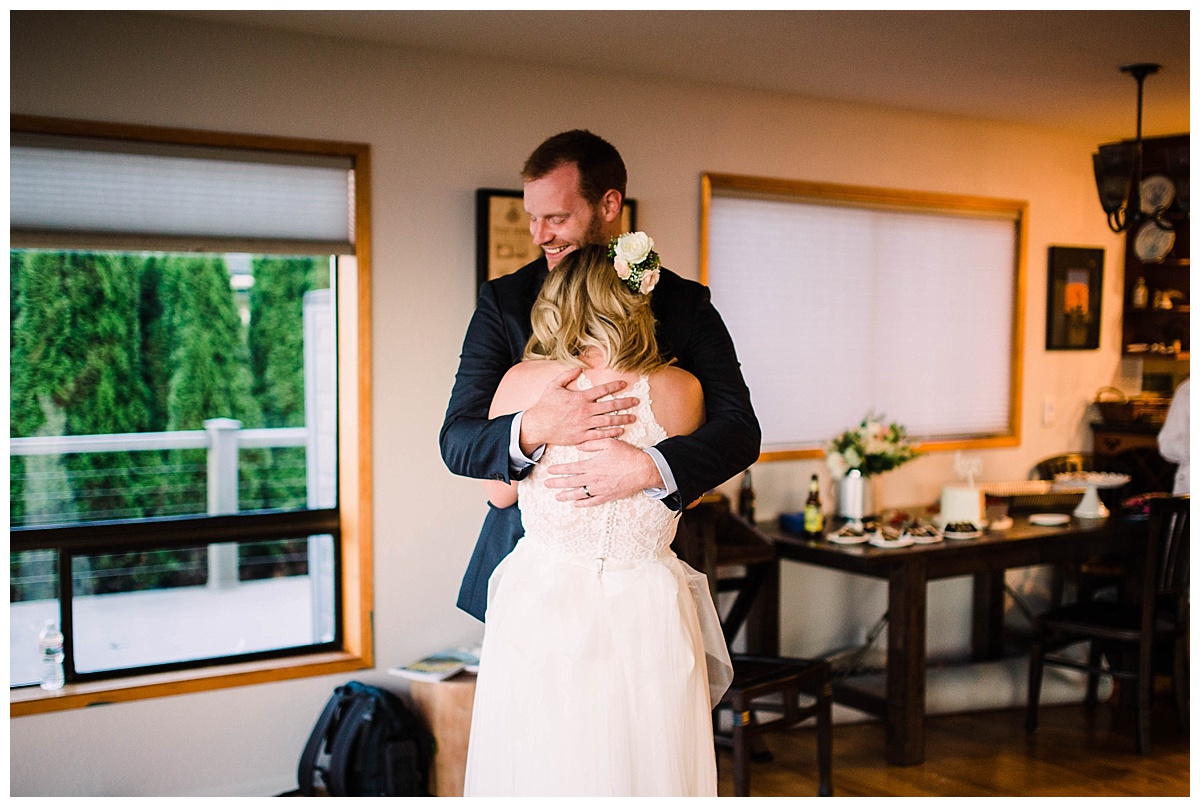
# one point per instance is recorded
(602, 657)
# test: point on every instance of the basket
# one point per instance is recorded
(1116, 408)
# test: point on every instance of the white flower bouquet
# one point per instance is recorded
(871, 448)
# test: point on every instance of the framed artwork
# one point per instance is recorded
(1073, 294)
(502, 240)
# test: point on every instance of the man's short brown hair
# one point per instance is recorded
(601, 168)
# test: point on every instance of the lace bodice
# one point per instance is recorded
(635, 529)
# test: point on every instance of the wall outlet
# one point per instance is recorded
(1049, 407)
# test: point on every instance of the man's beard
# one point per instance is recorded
(595, 231)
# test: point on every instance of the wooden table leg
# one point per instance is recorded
(987, 616)
(906, 664)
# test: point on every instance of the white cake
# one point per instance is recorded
(962, 503)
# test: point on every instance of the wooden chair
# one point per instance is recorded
(1091, 576)
(776, 685)
(711, 538)
(1148, 471)
(1064, 463)
(1125, 633)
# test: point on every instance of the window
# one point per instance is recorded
(845, 301)
(189, 497)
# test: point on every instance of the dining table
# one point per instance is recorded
(909, 569)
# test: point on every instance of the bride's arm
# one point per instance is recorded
(500, 494)
(511, 396)
(677, 401)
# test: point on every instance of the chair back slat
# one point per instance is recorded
(1064, 463)
(1168, 552)
(1174, 554)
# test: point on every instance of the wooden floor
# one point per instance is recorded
(985, 754)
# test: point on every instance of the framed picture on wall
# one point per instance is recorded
(502, 240)
(1074, 287)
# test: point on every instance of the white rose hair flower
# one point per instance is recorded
(635, 261)
(634, 247)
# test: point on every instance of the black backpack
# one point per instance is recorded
(366, 743)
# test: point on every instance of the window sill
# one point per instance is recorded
(34, 701)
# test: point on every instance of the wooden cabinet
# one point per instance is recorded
(1158, 292)
(446, 707)
(1110, 439)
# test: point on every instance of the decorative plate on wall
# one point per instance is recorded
(1157, 193)
(1153, 243)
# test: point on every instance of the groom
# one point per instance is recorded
(574, 189)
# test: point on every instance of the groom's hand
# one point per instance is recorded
(614, 470)
(567, 417)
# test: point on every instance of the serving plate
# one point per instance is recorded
(1049, 519)
(961, 536)
(844, 537)
(940, 522)
(923, 533)
(883, 543)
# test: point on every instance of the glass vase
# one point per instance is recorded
(857, 496)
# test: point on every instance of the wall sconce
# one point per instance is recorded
(1118, 169)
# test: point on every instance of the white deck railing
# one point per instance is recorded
(222, 438)
(152, 441)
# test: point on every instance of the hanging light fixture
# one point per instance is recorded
(1118, 169)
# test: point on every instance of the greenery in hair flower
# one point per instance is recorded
(636, 261)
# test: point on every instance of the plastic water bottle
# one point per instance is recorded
(50, 642)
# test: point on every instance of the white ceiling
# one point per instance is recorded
(1049, 68)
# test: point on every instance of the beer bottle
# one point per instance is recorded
(746, 498)
(814, 516)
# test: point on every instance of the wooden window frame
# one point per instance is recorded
(354, 445)
(893, 199)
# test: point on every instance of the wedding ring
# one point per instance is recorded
(587, 494)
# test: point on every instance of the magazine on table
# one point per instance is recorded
(440, 665)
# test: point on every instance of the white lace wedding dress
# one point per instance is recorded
(603, 656)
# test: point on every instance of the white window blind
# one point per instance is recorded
(839, 310)
(81, 193)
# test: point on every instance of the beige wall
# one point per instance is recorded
(439, 128)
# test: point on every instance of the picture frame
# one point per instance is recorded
(1074, 293)
(502, 240)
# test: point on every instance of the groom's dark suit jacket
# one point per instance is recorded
(689, 330)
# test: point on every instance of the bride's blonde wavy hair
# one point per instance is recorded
(584, 304)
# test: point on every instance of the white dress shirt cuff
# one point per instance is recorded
(665, 471)
(516, 456)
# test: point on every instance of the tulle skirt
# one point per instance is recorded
(596, 683)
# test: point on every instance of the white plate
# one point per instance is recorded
(962, 536)
(847, 539)
(925, 539)
(1049, 519)
(881, 542)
